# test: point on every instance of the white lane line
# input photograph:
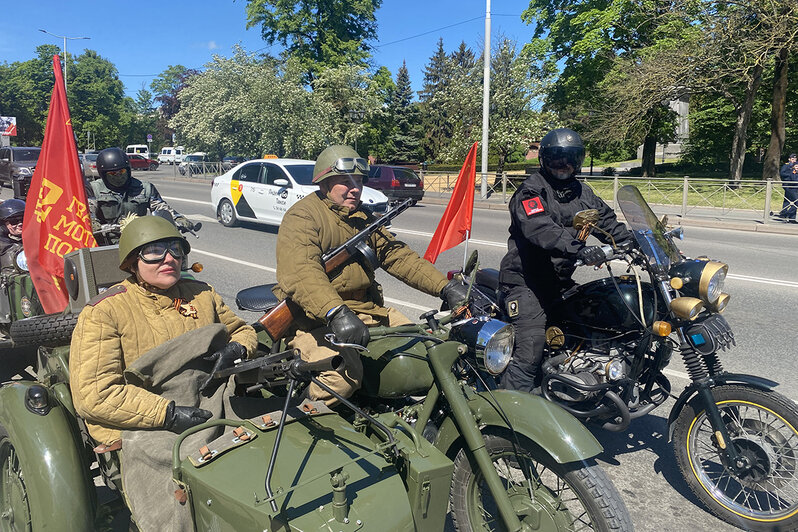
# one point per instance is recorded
(236, 261)
(429, 235)
(174, 198)
(791, 284)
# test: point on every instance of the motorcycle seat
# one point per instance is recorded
(488, 277)
(257, 298)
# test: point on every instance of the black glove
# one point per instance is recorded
(455, 293)
(591, 255)
(223, 359)
(347, 327)
(185, 223)
(181, 418)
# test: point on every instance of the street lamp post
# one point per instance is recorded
(65, 50)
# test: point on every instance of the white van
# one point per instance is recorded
(171, 155)
(138, 149)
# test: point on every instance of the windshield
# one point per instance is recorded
(26, 154)
(190, 158)
(302, 173)
(648, 230)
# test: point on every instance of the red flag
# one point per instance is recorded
(456, 220)
(56, 219)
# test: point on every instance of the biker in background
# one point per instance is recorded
(348, 300)
(118, 194)
(11, 213)
(542, 249)
(145, 310)
(789, 180)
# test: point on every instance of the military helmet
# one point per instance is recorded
(561, 153)
(144, 230)
(111, 159)
(10, 208)
(337, 160)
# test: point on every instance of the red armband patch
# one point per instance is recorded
(532, 206)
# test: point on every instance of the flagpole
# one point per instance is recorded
(485, 102)
(465, 251)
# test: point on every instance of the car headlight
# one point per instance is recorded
(701, 278)
(490, 340)
(24, 171)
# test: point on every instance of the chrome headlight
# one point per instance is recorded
(490, 340)
(700, 278)
(24, 171)
(22, 261)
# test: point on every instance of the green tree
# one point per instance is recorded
(405, 144)
(436, 126)
(375, 135)
(318, 34)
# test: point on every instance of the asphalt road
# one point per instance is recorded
(762, 281)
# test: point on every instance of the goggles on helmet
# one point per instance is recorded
(346, 165)
(155, 252)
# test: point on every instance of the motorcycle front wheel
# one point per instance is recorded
(763, 427)
(575, 496)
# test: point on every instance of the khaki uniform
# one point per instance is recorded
(313, 226)
(119, 326)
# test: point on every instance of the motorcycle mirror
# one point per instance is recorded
(471, 263)
(585, 219)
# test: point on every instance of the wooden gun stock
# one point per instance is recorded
(339, 259)
(278, 320)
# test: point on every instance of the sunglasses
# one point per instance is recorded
(347, 165)
(156, 251)
(114, 173)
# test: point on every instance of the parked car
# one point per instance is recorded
(171, 155)
(139, 162)
(264, 189)
(194, 163)
(90, 166)
(396, 182)
(16, 167)
(231, 161)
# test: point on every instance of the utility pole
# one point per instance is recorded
(65, 51)
(485, 102)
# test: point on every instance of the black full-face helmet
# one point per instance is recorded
(113, 160)
(11, 208)
(561, 154)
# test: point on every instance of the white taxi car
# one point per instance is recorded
(262, 190)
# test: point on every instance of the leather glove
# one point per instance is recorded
(347, 327)
(223, 359)
(591, 255)
(185, 223)
(455, 293)
(181, 418)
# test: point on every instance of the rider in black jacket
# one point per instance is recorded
(542, 249)
(11, 213)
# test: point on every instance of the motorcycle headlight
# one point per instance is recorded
(700, 278)
(490, 340)
(22, 261)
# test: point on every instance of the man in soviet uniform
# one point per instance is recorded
(117, 193)
(348, 300)
(542, 249)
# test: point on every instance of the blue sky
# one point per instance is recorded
(143, 38)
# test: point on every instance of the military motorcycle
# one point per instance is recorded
(609, 340)
(515, 461)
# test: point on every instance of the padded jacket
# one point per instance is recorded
(315, 225)
(120, 325)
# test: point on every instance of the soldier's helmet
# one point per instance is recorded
(114, 168)
(11, 208)
(337, 160)
(144, 230)
(561, 153)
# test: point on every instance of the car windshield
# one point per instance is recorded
(26, 154)
(302, 173)
(91, 157)
(192, 158)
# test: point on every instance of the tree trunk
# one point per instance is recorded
(649, 155)
(741, 128)
(770, 169)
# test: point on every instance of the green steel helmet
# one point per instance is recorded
(337, 160)
(144, 230)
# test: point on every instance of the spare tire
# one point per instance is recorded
(49, 330)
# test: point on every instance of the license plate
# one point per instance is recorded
(411, 185)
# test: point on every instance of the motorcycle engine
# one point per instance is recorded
(587, 369)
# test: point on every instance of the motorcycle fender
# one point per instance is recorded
(556, 431)
(60, 493)
(759, 383)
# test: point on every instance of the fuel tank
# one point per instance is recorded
(598, 308)
(395, 367)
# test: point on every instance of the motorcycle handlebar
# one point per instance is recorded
(303, 370)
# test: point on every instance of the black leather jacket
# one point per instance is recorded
(542, 247)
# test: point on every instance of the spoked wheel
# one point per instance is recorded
(763, 427)
(14, 504)
(552, 496)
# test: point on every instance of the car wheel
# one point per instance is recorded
(153, 167)
(182, 170)
(226, 213)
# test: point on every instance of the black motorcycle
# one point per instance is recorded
(609, 340)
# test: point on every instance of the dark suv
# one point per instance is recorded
(396, 182)
(16, 167)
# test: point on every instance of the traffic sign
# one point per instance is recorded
(149, 138)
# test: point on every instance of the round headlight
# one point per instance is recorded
(715, 285)
(491, 342)
(22, 261)
(499, 349)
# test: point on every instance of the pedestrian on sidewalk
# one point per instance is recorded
(789, 180)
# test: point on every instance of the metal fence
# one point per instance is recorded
(686, 196)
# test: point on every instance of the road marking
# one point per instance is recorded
(429, 235)
(236, 261)
(791, 284)
(173, 198)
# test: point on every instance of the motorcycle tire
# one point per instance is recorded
(566, 495)
(14, 496)
(763, 426)
(48, 330)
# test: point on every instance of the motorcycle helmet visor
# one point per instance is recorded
(347, 165)
(561, 157)
(155, 252)
(16, 220)
(117, 178)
